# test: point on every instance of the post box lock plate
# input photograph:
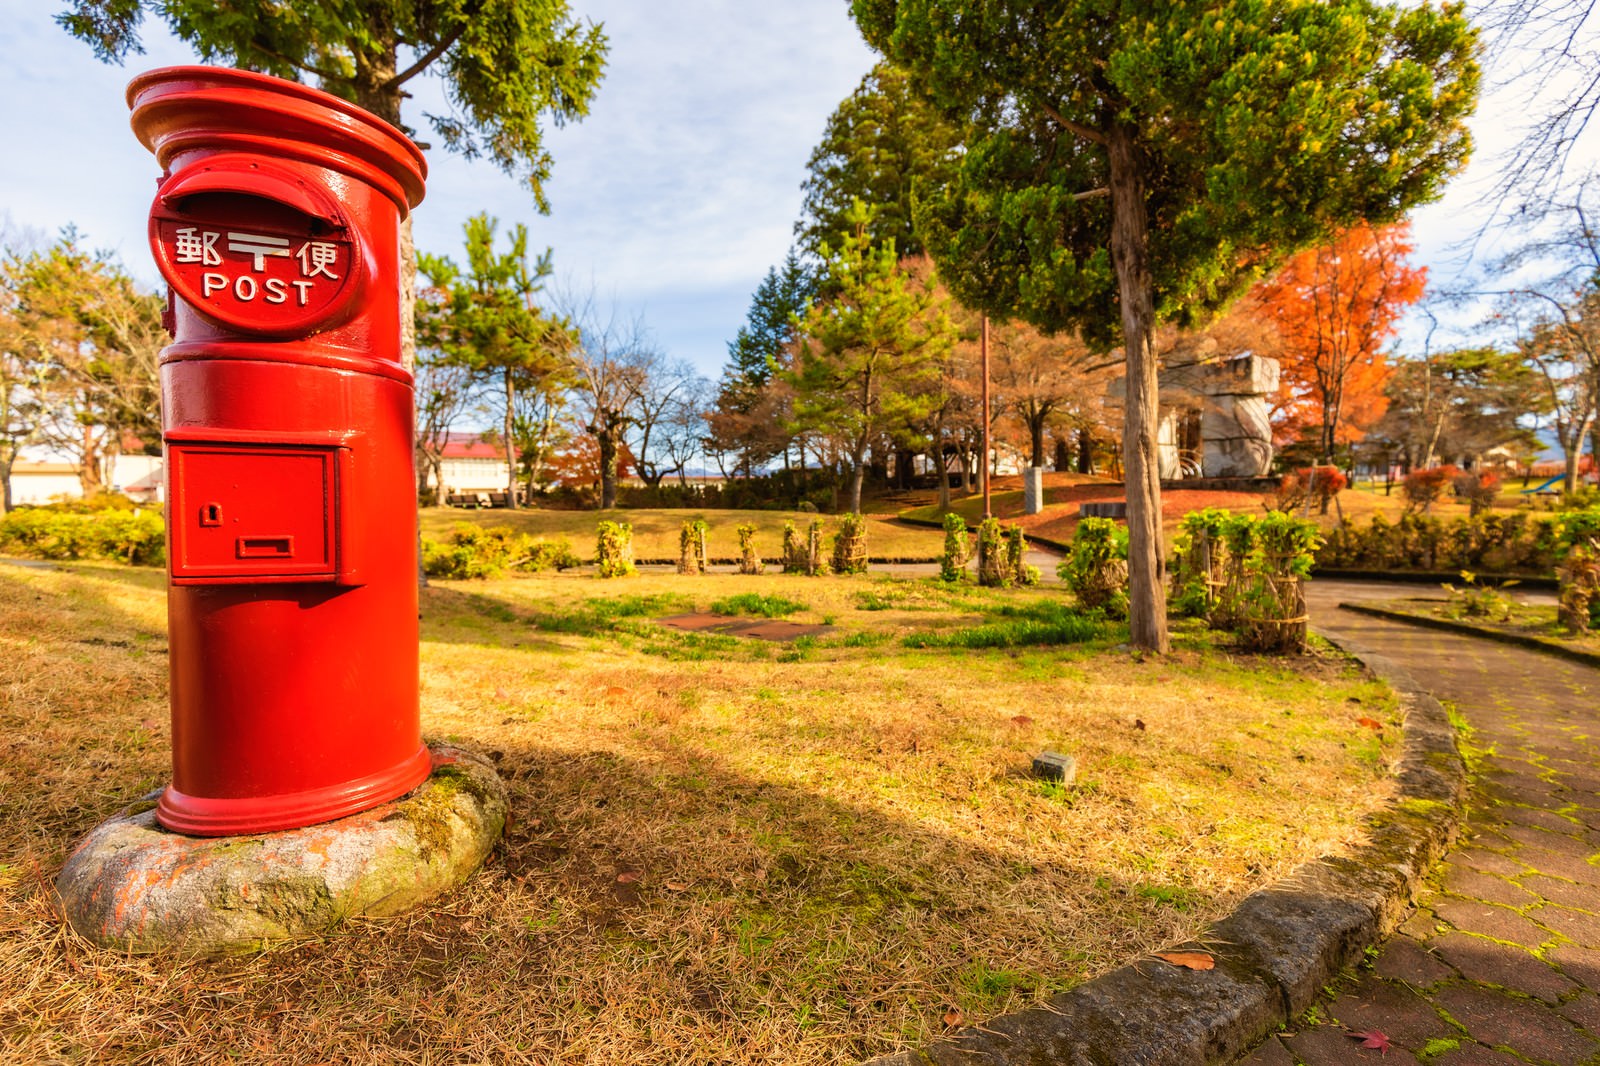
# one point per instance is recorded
(255, 248)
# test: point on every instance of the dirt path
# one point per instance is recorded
(1501, 962)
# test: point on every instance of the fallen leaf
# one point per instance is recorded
(1021, 719)
(1371, 1038)
(1370, 723)
(501, 694)
(953, 1017)
(1189, 960)
(628, 877)
(677, 886)
(1138, 723)
(615, 692)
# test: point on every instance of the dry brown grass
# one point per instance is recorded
(723, 851)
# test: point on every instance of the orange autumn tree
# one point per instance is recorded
(1334, 306)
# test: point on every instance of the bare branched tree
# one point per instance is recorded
(445, 390)
(1551, 301)
(610, 366)
(1549, 60)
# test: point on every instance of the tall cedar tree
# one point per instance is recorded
(485, 318)
(506, 65)
(738, 423)
(1334, 306)
(880, 140)
(1158, 157)
(863, 352)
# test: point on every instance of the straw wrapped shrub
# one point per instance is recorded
(749, 559)
(850, 545)
(614, 553)
(957, 549)
(1097, 568)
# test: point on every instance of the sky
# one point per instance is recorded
(669, 202)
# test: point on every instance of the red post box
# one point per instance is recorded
(287, 416)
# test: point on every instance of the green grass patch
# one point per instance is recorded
(597, 616)
(1015, 625)
(1018, 633)
(756, 605)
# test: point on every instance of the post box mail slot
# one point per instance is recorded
(253, 248)
(254, 513)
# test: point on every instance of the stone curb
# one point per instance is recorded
(1451, 625)
(1432, 577)
(1273, 954)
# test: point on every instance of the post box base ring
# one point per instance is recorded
(204, 816)
(131, 885)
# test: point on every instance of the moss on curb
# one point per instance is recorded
(1451, 625)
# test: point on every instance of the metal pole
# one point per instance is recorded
(983, 349)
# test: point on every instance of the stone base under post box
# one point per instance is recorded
(134, 886)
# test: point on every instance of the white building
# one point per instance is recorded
(470, 466)
(38, 478)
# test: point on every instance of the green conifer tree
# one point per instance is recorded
(1157, 157)
(858, 372)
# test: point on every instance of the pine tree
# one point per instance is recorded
(880, 142)
(485, 317)
(863, 353)
(742, 422)
(1159, 157)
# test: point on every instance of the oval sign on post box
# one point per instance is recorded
(254, 250)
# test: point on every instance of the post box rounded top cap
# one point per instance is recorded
(197, 108)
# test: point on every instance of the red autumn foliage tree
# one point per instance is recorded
(577, 466)
(1334, 307)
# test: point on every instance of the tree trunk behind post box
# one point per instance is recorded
(1130, 250)
(511, 450)
(372, 94)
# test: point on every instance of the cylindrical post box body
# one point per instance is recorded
(287, 417)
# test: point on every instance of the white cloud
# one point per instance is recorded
(676, 194)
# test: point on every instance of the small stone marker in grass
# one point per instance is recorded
(1054, 766)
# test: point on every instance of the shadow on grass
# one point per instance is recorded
(662, 903)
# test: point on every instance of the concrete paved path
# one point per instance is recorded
(1501, 962)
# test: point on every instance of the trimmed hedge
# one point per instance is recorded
(1505, 542)
(473, 551)
(137, 537)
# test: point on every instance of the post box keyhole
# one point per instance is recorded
(211, 514)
